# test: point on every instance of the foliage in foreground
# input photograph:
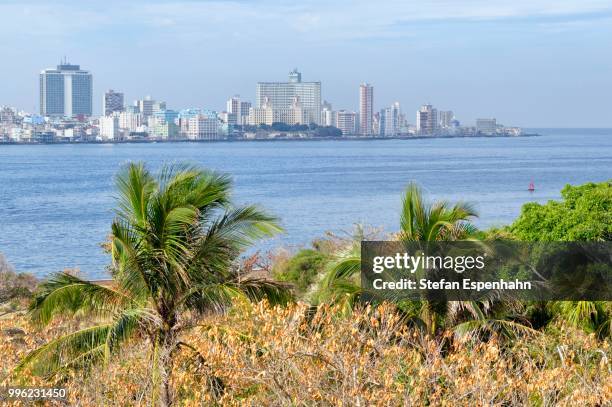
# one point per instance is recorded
(258, 355)
(175, 242)
(583, 214)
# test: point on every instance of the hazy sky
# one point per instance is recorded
(526, 62)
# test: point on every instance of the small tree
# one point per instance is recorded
(175, 242)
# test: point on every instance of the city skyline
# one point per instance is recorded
(533, 65)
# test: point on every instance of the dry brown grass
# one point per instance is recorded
(257, 355)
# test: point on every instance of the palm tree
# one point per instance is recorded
(419, 221)
(175, 243)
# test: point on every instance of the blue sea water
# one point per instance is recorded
(56, 201)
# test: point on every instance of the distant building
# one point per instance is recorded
(281, 95)
(266, 114)
(112, 102)
(347, 122)
(446, 119)
(366, 109)
(237, 111)
(427, 120)
(109, 127)
(7, 115)
(486, 126)
(390, 120)
(130, 121)
(327, 115)
(203, 126)
(145, 106)
(66, 91)
(245, 107)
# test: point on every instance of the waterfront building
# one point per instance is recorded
(130, 121)
(390, 120)
(163, 124)
(234, 111)
(427, 120)
(366, 109)
(327, 115)
(292, 115)
(486, 126)
(112, 102)
(160, 128)
(66, 91)
(145, 106)
(109, 127)
(7, 115)
(158, 107)
(446, 118)
(183, 120)
(203, 126)
(347, 122)
(281, 95)
(262, 114)
(243, 118)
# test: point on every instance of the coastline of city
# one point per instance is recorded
(291, 110)
(264, 139)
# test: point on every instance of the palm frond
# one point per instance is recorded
(66, 294)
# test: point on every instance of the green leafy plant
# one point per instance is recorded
(175, 243)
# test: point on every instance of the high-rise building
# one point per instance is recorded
(112, 102)
(281, 95)
(145, 106)
(366, 108)
(245, 107)
(427, 120)
(390, 120)
(237, 111)
(66, 91)
(328, 117)
(486, 126)
(346, 122)
(446, 118)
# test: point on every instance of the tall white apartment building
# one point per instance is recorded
(366, 109)
(280, 95)
(446, 117)
(328, 117)
(390, 120)
(427, 120)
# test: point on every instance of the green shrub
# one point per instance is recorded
(302, 269)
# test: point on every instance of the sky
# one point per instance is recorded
(530, 63)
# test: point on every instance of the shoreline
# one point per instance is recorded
(344, 138)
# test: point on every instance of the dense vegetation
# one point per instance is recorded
(583, 214)
(177, 326)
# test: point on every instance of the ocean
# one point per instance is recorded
(56, 201)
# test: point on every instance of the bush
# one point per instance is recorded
(14, 286)
(583, 214)
(301, 270)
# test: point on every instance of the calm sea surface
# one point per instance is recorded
(56, 200)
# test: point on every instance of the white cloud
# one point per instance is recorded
(308, 21)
